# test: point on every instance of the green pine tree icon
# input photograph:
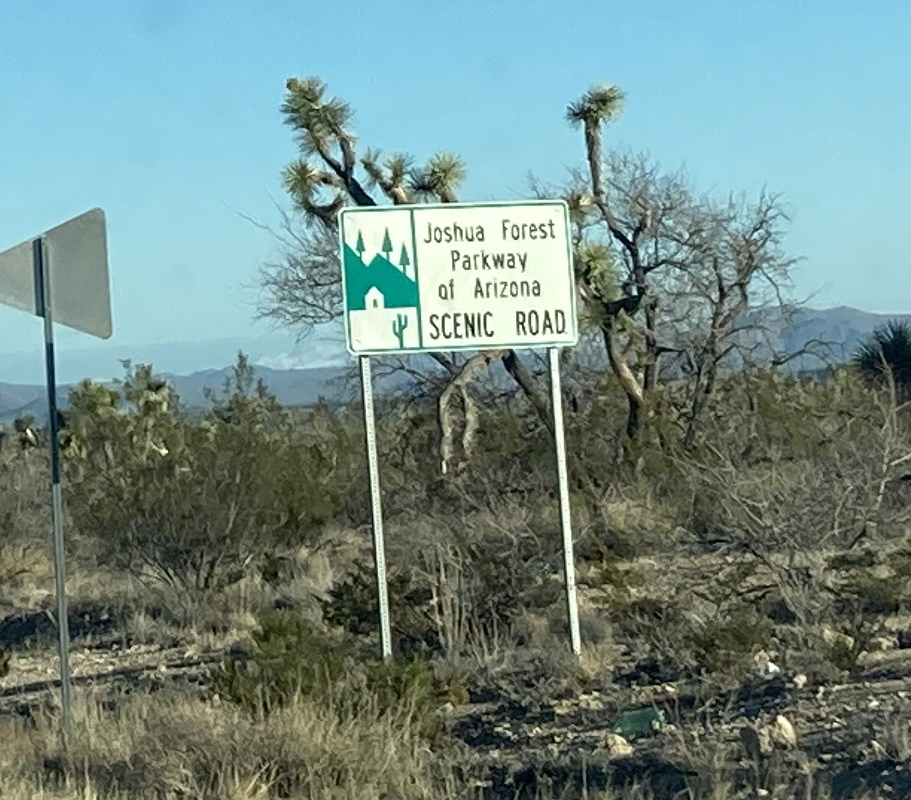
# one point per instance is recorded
(359, 246)
(387, 244)
(404, 261)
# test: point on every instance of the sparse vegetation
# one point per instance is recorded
(729, 516)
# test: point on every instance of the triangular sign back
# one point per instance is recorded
(76, 258)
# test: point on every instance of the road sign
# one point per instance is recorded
(61, 276)
(457, 276)
(79, 283)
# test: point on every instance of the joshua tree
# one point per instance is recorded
(598, 107)
(328, 175)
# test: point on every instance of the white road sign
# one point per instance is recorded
(460, 276)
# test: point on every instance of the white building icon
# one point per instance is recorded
(374, 298)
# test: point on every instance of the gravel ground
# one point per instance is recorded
(855, 736)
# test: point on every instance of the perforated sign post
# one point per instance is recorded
(459, 276)
(61, 275)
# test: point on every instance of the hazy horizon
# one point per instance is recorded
(277, 349)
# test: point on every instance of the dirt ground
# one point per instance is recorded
(854, 736)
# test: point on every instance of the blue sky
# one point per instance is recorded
(165, 113)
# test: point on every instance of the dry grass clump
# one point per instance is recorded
(169, 747)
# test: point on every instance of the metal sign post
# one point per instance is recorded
(566, 524)
(44, 306)
(61, 276)
(376, 505)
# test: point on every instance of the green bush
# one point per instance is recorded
(403, 684)
(292, 658)
(195, 502)
(353, 605)
(727, 641)
(289, 657)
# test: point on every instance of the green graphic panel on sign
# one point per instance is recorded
(378, 283)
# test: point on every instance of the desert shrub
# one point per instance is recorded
(334, 456)
(511, 460)
(353, 605)
(24, 510)
(712, 632)
(496, 573)
(196, 503)
(872, 595)
(291, 658)
(864, 595)
(515, 452)
(381, 686)
(798, 465)
(456, 582)
(727, 640)
(488, 569)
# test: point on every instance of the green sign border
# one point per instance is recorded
(412, 207)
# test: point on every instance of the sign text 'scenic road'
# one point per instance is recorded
(428, 278)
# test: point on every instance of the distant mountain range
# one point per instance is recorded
(325, 346)
(842, 327)
(300, 373)
(292, 387)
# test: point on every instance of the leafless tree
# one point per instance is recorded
(803, 471)
(664, 271)
(302, 288)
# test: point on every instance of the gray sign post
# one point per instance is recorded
(376, 506)
(61, 276)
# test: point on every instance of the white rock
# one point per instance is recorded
(617, 746)
(884, 644)
(770, 670)
(783, 732)
(832, 637)
(767, 668)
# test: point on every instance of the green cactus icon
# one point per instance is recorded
(398, 328)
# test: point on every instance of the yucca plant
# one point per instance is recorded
(885, 356)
